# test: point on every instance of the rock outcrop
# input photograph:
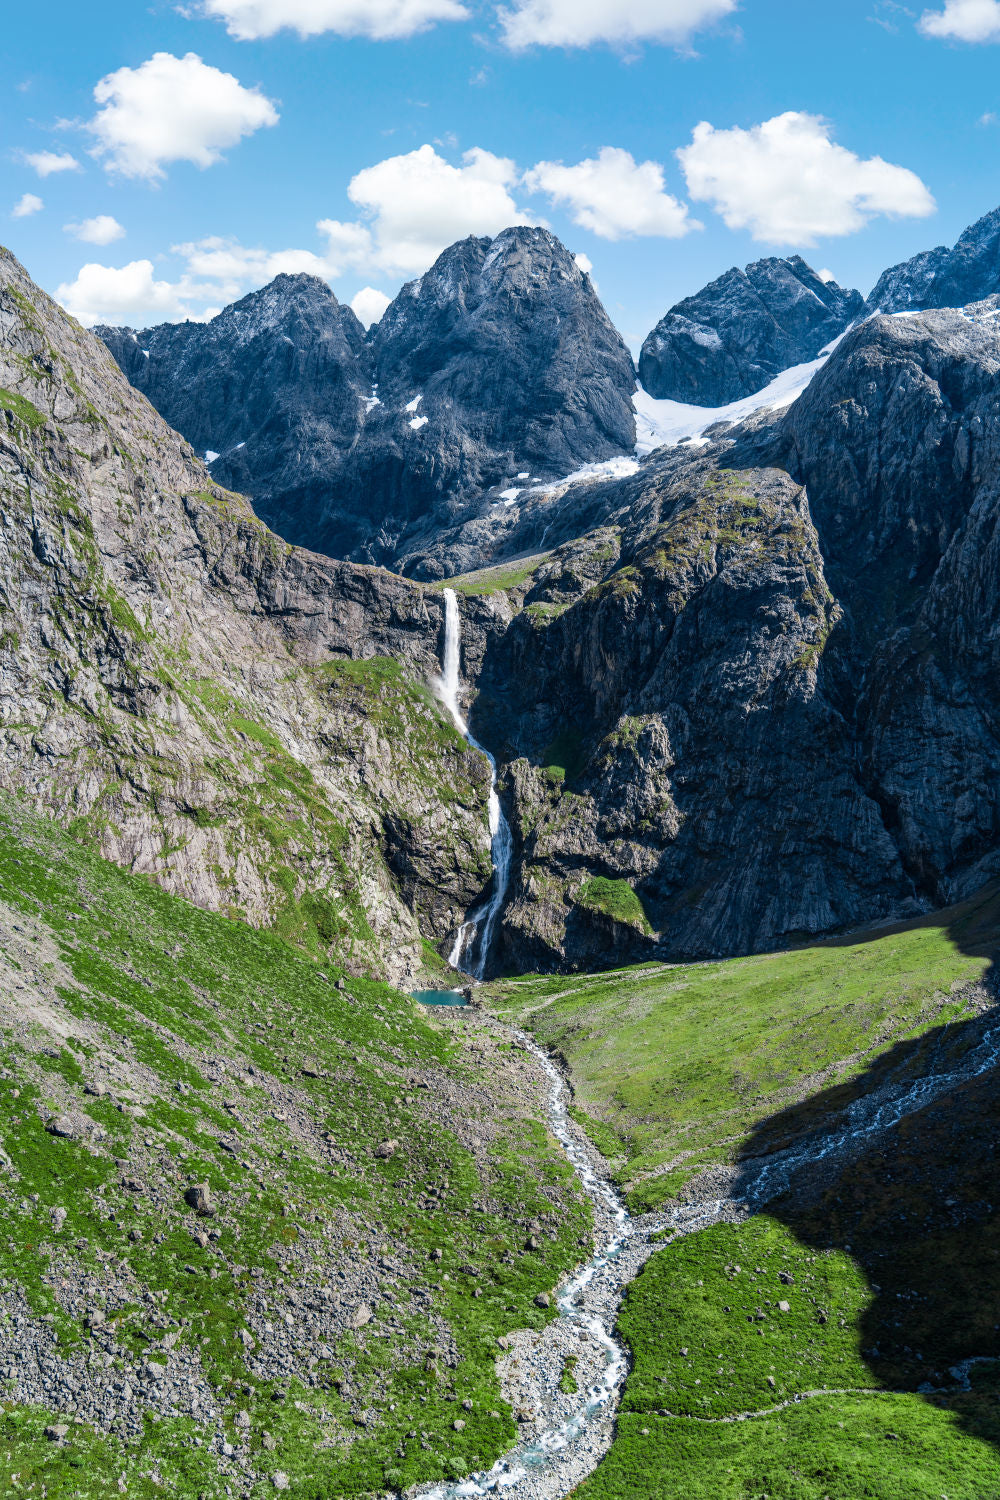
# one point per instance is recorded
(498, 363)
(743, 329)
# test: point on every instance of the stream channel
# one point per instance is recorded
(572, 1435)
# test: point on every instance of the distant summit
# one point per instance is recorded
(743, 329)
(967, 273)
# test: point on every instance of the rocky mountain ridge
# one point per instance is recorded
(498, 363)
(968, 272)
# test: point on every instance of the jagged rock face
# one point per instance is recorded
(762, 691)
(743, 329)
(499, 360)
(246, 722)
(968, 272)
(669, 728)
(276, 385)
(899, 442)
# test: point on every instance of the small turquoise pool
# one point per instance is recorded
(440, 997)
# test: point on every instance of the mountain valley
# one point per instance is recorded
(320, 646)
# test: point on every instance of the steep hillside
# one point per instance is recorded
(758, 690)
(262, 1227)
(246, 722)
(499, 362)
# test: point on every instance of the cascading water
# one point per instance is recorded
(471, 948)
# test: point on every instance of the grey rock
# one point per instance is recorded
(199, 1198)
(743, 329)
(73, 1126)
(968, 272)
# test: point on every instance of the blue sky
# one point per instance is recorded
(233, 138)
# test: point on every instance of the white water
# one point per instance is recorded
(544, 1465)
(472, 941)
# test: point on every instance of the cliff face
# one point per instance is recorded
(668, 731)
(760, 693)
(500, 361)
(899, 444)
(247, 722)
(740, 331)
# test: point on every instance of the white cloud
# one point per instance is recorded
(584, 262)
(129, 294)
(232, 266)
(369, 304)
(580, 23)
(100, 230)
(788, 183)
(964, 21)
(46, 163)
(248, 20)
(613, 195)
(418, 204)
(26, 205)
(173, 109)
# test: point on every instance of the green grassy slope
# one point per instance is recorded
(331, 1341)
(886, 1258)
(674, 1066)
(733, 1397)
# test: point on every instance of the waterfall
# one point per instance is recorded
(472, 941)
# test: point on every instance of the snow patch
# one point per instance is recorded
(412, 405)
(418, 422)
(239, 446)
(524, 475)
(611, 468)
(210, 455)
(509, 495)
(664, 424)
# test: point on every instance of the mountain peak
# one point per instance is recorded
(743, 329)
(943, 277)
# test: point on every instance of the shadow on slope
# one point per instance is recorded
(901, 1169)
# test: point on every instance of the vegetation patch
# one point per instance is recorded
(188, 1048)
(615, 899)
